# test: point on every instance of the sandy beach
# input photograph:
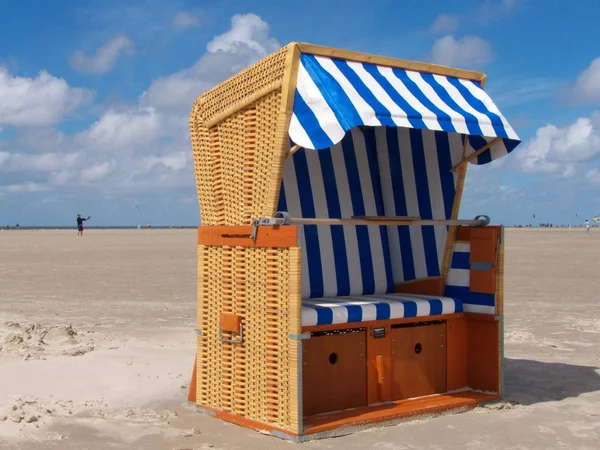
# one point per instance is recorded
(97, 345)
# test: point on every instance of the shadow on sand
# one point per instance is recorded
(529, 382)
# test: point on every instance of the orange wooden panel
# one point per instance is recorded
(456, 360)
(480, 317)
(230, 322)
(379, 366)
(483, 369)
(396, 410)
(484, 248)
(484, 243)
(267, 236)
(463, 234)
(482, 281)
(334, 372)
(192, 390)
(380, 323)
(418, 360)
(427, 286)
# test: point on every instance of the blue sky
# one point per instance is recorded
(94, 95)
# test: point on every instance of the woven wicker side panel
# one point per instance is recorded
(257, 379)
(239, 166)
(255, 79)
(211, 386)
(239, 160)
(269, 155)
(204, 167)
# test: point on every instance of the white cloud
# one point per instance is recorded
(97, 172)
(40, 101)
(184, 20)
(492, 9)
(561, 150)
(24, 187)
(587, 85)
(466, 52)
(10, 64)
(174, 161)
(513, 91)
(144, 145)
(4, 156)
(485, 12)
(45, 162)
(593, 176)
(246, 42)
(247, 30)
(105, 58)
(445, 23)
(121, 131)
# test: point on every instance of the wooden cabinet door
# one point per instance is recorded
(418, 360)
(334, 372)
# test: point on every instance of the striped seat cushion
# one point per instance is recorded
(339, 310)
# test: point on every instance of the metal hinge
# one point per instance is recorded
(299, 337)
(280, 218)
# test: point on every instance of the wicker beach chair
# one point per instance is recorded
(337, 287)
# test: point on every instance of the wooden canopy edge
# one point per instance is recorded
(294, 49)
(351, 55)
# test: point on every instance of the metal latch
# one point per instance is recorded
(280, 218)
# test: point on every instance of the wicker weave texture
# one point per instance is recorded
(258, 378)
(238, 163)
(238, 160)
(260, 77)
(203, 167)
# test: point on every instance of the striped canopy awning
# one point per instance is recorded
(335, 95)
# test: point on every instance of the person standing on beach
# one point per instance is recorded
(587, 227)
(80, 221)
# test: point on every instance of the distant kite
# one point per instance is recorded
(597, 219)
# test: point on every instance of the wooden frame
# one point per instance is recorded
(239, 135)
(266, 236)
(390, 62)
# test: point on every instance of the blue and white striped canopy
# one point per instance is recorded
(334, 96)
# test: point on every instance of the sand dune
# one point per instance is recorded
(97, 346)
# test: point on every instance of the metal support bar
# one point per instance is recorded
(283, 218)
(299, 337)
(482, 266)
(255, 225)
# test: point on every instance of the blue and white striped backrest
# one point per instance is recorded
(339, 182)
(457, 282)
(417, 180)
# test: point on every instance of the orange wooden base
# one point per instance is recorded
(248, 423)
(400, 409)
(344, 422)
(192, 389)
